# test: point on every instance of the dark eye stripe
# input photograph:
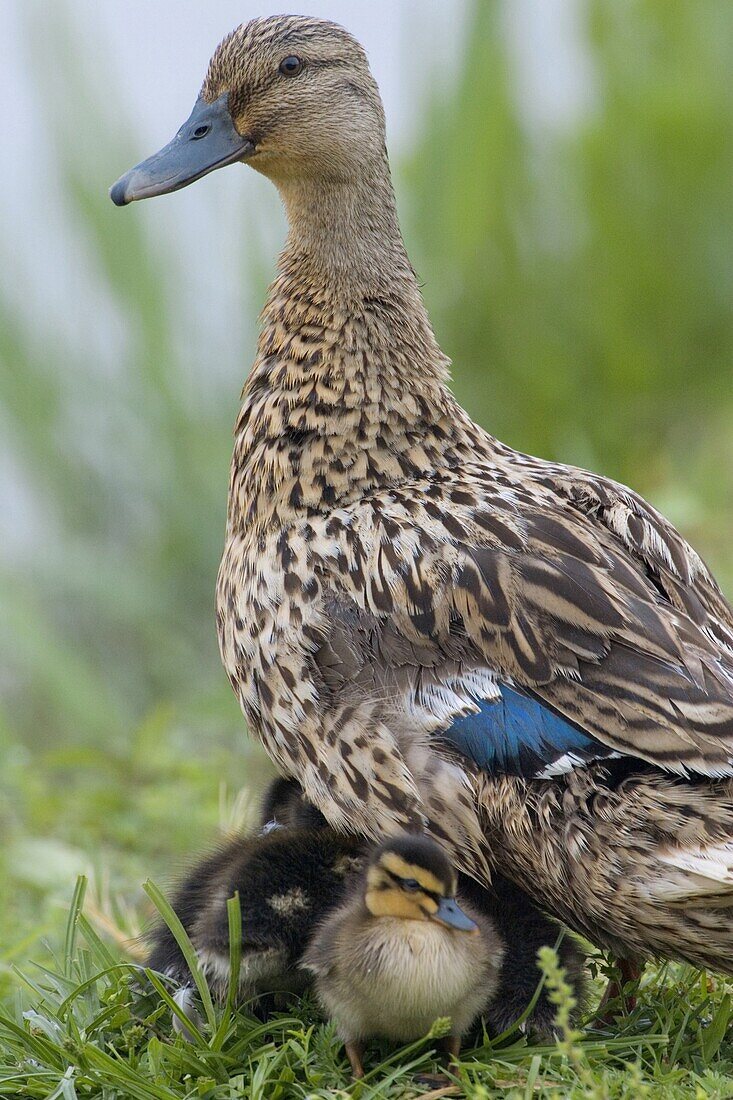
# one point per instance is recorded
(401, 882)
(395, 878)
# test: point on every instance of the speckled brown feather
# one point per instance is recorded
(379, 541)
(618, 859)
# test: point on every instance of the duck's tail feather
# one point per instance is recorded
(703, 874)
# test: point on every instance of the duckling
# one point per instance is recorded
(289, 877)
(399, 952)
(524, 930)
(287, 880)
(521, 926)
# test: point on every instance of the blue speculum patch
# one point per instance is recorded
(517, 735)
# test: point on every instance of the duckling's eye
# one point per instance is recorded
(289, 66)
(200, 131)
(410, 884)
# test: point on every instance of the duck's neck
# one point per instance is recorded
(345, 232)
(347, 392)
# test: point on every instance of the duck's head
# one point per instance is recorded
(290, 95)
(410, 877)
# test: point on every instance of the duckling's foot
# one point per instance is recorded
(630, 971)
(449, 1047)
(437, 1081)
(355, 1053)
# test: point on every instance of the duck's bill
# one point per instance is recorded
(450, 913)
(207, 140)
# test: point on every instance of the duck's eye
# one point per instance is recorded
(289, 66)
(200, 131)
(410, 884)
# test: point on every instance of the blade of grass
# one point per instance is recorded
(71, 924)
(714, 1034)
(534, 1069)
(181, 937)
(82, 988)
(234, 918)
(40, 1048)
(176, 1010)
(96, 943)
(40, 991)
(119, 1073)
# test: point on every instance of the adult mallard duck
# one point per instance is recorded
(425, 627)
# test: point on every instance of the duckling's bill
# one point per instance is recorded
(207, 140)
(450, 913)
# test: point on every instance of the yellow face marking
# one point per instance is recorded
(402, 869)
(393, 902)
(386, 898)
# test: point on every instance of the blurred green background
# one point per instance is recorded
(578, 267)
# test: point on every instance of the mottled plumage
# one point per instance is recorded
(425, 627)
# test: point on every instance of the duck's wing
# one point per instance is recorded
(650, 540)
(530, 633)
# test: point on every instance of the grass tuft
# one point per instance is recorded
(92, 1024)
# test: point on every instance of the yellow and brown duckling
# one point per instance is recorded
(522, 928)
(399, 952)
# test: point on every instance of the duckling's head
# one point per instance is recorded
(293, 96)
(410, 877)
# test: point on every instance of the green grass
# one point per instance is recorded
(89, 1023)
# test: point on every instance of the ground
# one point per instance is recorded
(85, 1019)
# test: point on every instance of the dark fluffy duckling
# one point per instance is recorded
(283, 804)
(399, 952)
(287, 879)
(524, 930)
